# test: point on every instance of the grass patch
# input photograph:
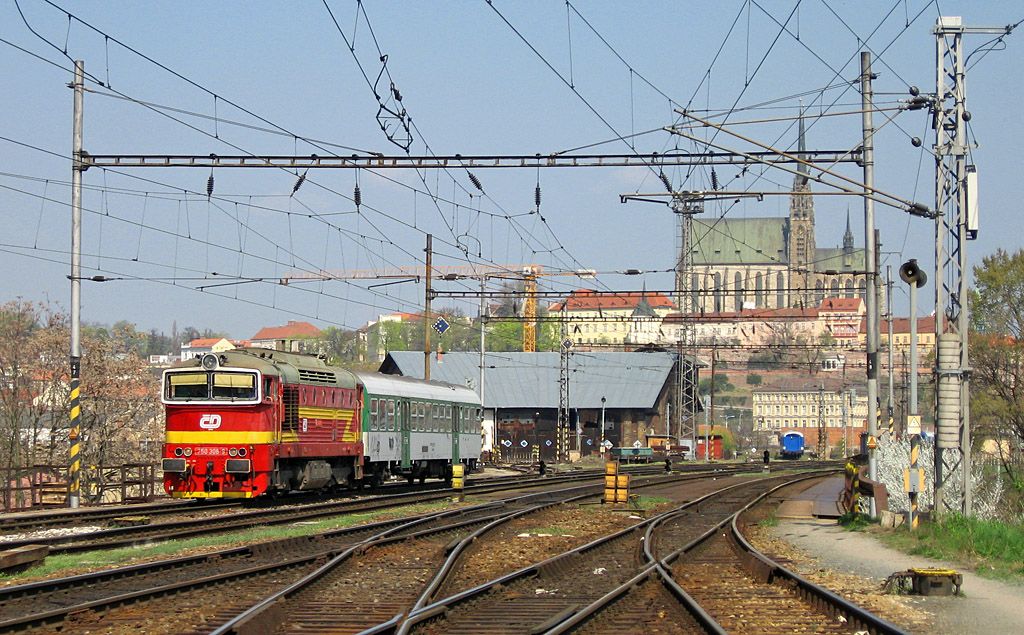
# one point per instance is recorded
(649, 502)
(769, 521)
(854, 521)
(97, 560)
(992, 548)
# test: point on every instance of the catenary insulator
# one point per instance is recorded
(536, 196)
(664, 179)
(357, 196)
(475, 181)
(299, 182)
(209, 186)
(714, 179)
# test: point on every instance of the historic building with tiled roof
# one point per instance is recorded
(772, 262)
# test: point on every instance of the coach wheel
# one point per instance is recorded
(423, 477)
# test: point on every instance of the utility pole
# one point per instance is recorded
(870, 261)
(686, 343)
(845, 397)
(888, 313)
(822, 430)
(426, 308)
(483, 407)
(77, 167)
(913, 276)
(956, 223)
(562, 439)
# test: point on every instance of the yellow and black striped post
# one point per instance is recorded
(915, 450)
(892, 425)
(75, 465)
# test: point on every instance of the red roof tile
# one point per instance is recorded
(751, 314)
(289, 331)
(840, 304)
(902, 325)
(590, 300)
(205, 342)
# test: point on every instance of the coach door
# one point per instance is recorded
(405, 425)
(456, 420)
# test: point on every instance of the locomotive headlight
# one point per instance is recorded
(232, 452)
(188, 451)
(210, 361)
(242, 452)
(177, 452)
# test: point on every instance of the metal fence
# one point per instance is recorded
(43, 486)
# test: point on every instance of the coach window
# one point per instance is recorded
(391, 415)
(373, 414)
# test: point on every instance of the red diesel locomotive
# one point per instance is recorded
(248, 421)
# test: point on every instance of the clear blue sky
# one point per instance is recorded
(471, 86)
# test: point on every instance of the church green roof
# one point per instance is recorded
(835, 258)
(725, 241)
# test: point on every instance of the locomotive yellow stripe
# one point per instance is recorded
(327, 414)
(226, 437)
(211, 494)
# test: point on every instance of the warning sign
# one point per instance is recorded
(913, 424)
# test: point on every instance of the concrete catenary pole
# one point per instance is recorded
(426, 308)
(891, 347)
(483, 342)
(77, 168)
(869, 262)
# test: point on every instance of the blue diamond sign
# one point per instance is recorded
(441, 325)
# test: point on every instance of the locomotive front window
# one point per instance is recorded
(234, 386)
(211, 386)
(186, 386)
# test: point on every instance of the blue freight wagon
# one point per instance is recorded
(792, 445)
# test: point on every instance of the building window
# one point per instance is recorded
(738, 289)
(719, 293)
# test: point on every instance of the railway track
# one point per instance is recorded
(724, 585)
(118, 537)
(641, 580)
(82, 602)
(25, 521)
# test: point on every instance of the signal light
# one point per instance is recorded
(232, 452)
(177, 452)
(188, 451)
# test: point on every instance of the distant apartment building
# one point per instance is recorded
(798, 405)
(199, 347)
(613, 319)
(901, 336)
(754, 327)
(294, 337)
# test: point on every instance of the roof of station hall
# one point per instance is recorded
(531, 380)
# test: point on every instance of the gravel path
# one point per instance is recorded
(987, 606)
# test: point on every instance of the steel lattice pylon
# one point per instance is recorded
(562, 440)
(686, 342)
(952, 231)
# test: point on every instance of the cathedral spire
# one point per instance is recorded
(848, 235)
(801, 178)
